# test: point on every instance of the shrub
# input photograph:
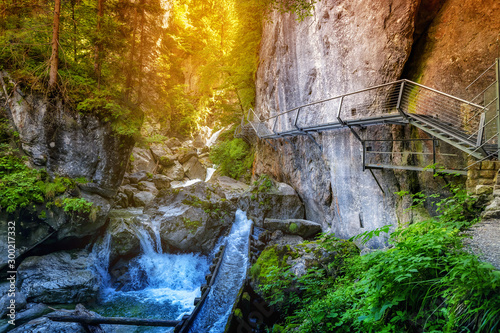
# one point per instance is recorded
(234, 157)
(426, 282)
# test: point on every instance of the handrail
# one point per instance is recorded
(368, 89)
(332, 98)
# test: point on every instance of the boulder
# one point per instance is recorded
(60, 277)
(175, 172)
(167, 161)
(44, 324)
(192, 218)
(194, 169)
(232, 189)
(271, 200)
(5, 301)
(143, 198)
(78, 226)
(123, 232)
(161, 182)
(121, 200)
(142, 160)
(137, 177)
(129, 191)
(34, 310)
(302, 228)
(92, 188)
(158, 150)
(185, 155)
(173, 143)
(148, 187)
(199, 141)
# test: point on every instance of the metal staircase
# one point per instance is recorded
(473, 127)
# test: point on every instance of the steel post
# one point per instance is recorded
(274, 126)
(296, 119)
(339, 110)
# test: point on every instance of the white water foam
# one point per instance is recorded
(215, 312)
(161, 284)
(185, 183)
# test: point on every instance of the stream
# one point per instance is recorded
(163, 285)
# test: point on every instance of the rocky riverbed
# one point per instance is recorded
(169, 202)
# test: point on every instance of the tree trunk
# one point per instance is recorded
(98, 47)
(130, 65)
(142, 46)
(54, 58)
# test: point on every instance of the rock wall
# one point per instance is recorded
(350, 45)
(68, 144)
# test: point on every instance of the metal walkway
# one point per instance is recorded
(471, 127)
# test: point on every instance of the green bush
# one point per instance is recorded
(234, 157)
(425, 283)
(22, 187)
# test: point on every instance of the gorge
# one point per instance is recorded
(125, 178)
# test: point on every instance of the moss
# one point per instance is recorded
(293, 227)
(191, 225)
(270, 258)
(237, 313)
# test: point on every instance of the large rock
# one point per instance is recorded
(231, 188)
(5, 302)
(185, 154)
(302, 228)
(143, 198)
(43, 325)
(143, 160)
(60, 277)
(194, 169)
(278, 201)
(161, 182)
(148, 187)
(345, 46)
(192, 218)
(137, 177)
(158, 150)
(123, 225)
(66, 144)
(49, 225)
(175, 172)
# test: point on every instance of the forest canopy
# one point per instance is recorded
(183, 63)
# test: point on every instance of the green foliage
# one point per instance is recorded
(191, 225)
(21, 186)
(77, 205)
(301, 8)
(425, 282)
(367, 235)
(234, 157)
(293, 227)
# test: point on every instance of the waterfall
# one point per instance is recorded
(215, 312)
(215, 136)
(162, 285)
(100, 256)
(210, 173)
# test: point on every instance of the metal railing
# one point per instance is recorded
(489, 128)
(391, 102)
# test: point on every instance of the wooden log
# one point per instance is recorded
(114, 321)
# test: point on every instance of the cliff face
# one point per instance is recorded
(66, 144)
(343, 47)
